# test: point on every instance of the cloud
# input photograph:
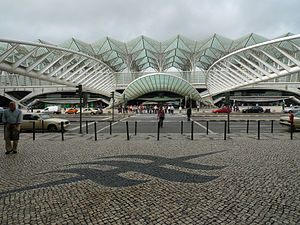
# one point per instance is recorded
(55, 20)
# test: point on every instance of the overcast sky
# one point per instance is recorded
(89, 20)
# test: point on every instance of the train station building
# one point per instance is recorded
(252, 68)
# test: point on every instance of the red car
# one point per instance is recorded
(221, 110)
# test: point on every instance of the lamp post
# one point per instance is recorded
(79, 92)
(227, 101)
(113, 105)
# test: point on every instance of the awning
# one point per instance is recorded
(259, 98)
(66, 100)
(160, 82)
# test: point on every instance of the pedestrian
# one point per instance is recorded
(12, 119)
(172, 109)
(161, 116)
(155, 109)
(189, 113)
(180, 108)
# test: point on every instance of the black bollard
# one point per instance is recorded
(206, 127)
(110, 128)
(127, 130)
(225, 126)
(95, 130)
(292, 129)
(62, 130)
(33, 130)
(258, 130)
(272, 126)
(135, 128)
(247, 126)
(43, 128)
(158, 128)
(192, 130)
(86, 127)
(181, 129)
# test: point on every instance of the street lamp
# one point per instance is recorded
(113, 105)
(79, 92)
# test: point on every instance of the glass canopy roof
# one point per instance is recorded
(143, 52)
(179, 52)
(160, 82)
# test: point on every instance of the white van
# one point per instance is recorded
(52, 109)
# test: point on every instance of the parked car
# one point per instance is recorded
(285, 121)
(50, 124)
(253, 109)
(89, 111)
(221, 110)
(71, 111)
(292, 109)
(52, 109)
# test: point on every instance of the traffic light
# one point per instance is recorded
(227, 98)
(85, 99)
(79, 90)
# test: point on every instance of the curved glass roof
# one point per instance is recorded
(143, 52)
(160, 82)
(180, 52)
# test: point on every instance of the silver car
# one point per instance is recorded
(292, 109)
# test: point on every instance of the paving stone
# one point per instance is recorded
(144, 181)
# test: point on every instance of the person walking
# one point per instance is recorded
(12, 119)
(161, 116)
(189, 113)
(172, 109)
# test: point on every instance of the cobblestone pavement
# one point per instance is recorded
(144, 181)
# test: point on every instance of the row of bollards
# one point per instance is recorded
(226, 129)
(158, 129)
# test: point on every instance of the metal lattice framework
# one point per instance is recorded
(57, 65)
(179, 52)
(254, 64)
(228, 64)
(160, 82)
